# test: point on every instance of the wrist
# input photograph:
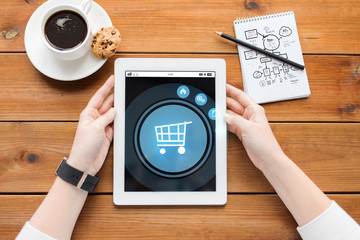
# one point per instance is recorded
(81, 165)
(60, 183)
(76, 177)
(272, 162)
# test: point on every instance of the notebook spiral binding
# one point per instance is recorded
(253, 19)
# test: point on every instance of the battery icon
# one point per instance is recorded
(209, 74)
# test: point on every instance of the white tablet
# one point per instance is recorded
(170, 136)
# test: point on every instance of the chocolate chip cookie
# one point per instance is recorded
(106, 41)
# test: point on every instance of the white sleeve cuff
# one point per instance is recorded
(333, 224)
(28, 232)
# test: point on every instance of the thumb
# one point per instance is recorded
(235, 120)
(106, 118)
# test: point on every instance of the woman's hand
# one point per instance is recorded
(248, 121)
(94, 132)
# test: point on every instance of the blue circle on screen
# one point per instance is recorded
(183, 91)
(212, 114)
(200, 99)
(173, 143)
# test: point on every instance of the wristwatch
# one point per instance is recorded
(76, 177)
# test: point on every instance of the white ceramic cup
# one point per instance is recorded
(84, 47)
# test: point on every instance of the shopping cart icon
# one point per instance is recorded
(171, 135)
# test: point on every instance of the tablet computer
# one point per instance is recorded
(169, 132)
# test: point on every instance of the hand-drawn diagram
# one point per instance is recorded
(270, 71)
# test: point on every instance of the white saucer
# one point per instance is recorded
(52, 66)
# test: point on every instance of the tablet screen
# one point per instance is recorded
(170, 131)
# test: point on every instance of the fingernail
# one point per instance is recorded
(112, 110)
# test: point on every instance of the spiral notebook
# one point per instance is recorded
(266, 79)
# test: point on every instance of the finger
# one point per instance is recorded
(109, 132)
(239, 95)
(107, 104)
(231, 128)
(106, 118)
(98, 98)
(233, 119)
(234, 105)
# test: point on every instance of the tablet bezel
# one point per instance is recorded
(218, 197)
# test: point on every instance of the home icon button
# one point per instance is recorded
(183, 91)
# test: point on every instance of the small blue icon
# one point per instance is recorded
(212, 114)
(201, 99)
(171, 135)
(183, 91)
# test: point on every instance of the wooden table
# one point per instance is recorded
(38, 118)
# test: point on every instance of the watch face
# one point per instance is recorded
(170, 131)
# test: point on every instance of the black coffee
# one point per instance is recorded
(65, 30)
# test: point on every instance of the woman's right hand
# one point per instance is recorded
(248, 121)
(94, 132)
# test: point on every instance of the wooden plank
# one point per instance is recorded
(243, 217)
(163, 26)
(328, 153)
(27, 95)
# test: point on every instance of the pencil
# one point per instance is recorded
(270, 54)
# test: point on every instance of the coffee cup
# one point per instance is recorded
(66, 31)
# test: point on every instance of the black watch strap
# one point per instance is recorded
(76, 177)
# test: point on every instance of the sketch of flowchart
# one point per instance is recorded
(269, 71)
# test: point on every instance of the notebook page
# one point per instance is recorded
(267, 79)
